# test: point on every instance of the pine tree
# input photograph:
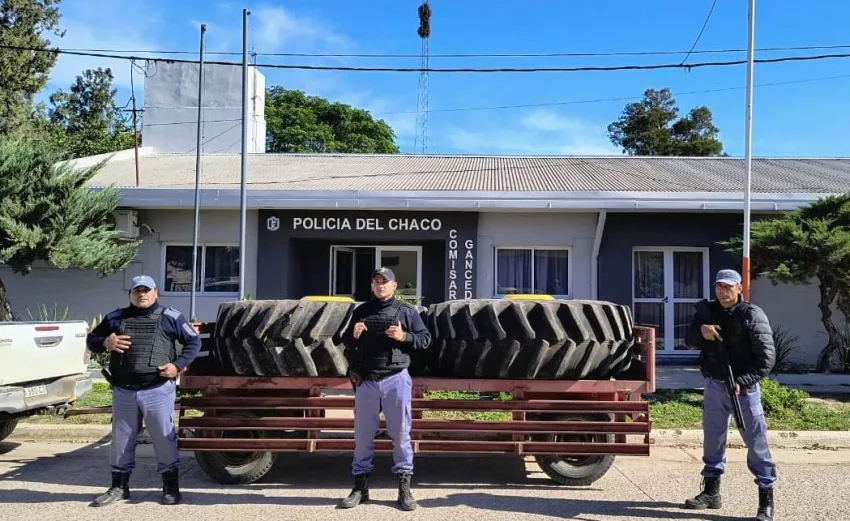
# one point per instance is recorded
(48, 214)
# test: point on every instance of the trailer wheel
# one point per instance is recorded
(571, 469)
(236, 468)
(6, 428)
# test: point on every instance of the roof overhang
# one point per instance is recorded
(171, 198)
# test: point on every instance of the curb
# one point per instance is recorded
(809, 440)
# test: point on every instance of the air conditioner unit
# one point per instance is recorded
(127, 223)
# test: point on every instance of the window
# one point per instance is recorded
(218, 263)
(533, 270)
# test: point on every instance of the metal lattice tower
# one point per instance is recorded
(424, 33)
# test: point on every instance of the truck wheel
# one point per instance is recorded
(282, 337)
(555, 339)
(575, 470)
(6, 428)
(236, 468)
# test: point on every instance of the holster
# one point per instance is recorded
(106, 374)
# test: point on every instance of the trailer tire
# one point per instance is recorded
(6, 427)
(525, 339)
(575, 470)
(228, 470)
(282, 338)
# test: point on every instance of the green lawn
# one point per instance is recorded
(785, 409)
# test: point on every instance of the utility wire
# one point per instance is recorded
(484, 55)
(659, 66)
(625, 98)
(704, 25)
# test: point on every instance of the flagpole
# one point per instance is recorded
(748, 159)
(242, 191)
(195, 275)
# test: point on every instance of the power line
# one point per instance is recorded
(624, 98)
(599, 68)
(482, 55)
(704, 25)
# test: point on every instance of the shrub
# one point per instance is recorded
(785, 343)
(777, 399)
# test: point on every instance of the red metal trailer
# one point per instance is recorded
(573, 428)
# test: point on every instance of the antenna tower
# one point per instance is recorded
(424, 33)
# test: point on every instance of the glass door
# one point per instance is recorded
(667, 283)
(343, 265)
(406, 263)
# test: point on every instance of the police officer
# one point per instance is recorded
(143, 367)
(383, 333)
(747, 336)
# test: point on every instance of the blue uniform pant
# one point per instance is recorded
(717, 412)
(156, 407)
(392, 395)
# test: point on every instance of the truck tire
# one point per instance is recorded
(575, 470)
(6, 427)
(282, 338)
(522, 339)
(236, 468)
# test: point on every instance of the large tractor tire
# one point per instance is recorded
(6, 427)
(526, 339)
(282, 338)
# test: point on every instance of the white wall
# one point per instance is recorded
(86, 295)
(795, 309)
(171, 109)
(573, 230)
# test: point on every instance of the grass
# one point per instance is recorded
(785, 409)
(467, 415)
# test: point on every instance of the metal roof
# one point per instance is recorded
(425, 173)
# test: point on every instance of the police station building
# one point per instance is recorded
(638, 231)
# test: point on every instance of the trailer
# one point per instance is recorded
(237, 426)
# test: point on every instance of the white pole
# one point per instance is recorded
(748, 139)
(243, 194)
(195, 274)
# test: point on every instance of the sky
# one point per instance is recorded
(808, 117)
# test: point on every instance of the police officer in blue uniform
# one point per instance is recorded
(383, 333)
(143, 366)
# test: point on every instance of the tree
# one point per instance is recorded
(309, 124)
(649, 128)
(812, 242)
(47, 214)
(23, 23)
(86, 120)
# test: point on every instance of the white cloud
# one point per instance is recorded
(277, 29)
(541, 132)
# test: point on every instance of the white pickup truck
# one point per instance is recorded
(43, 369)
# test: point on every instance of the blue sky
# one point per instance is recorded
(800, 119)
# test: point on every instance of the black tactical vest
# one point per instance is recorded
(149, 346)
(378, 352)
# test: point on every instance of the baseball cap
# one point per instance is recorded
(143, 280)
(728, 277)
(384, 272)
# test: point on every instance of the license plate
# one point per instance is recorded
(38, 390)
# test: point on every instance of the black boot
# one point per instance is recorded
(170, 488)
(360, 492)
(765, 512)
(119, 491)
(405, 498)
(708, 498)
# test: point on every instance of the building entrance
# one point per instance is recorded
(352, 265)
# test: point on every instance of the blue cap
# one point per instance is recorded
(728, 277)
(384, 272)
(143, 280)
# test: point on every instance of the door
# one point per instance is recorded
(406, 263)
(667, 284)
(344, 267)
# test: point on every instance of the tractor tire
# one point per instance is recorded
(282, 338)
(522, 339)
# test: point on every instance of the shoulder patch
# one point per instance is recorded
(189, 329)
(173, 313)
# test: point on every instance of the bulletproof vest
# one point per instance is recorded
(377, 349)
(149, 346)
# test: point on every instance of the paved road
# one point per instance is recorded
(56, 481)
